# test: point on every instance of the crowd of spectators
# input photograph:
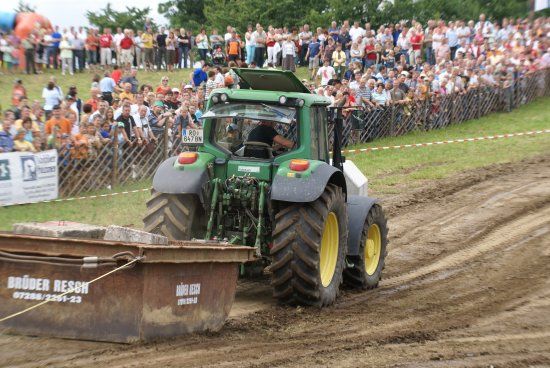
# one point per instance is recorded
(354, 65)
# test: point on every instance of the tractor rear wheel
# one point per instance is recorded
(309, 247)
(172, 215)
(365, 271)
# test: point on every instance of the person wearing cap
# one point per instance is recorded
(158, 119)
(228, 81)
(119, 134)
(231, 140)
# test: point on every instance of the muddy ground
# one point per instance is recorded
(467, 284)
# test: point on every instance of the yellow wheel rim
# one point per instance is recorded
(329, 249)
(373, 248)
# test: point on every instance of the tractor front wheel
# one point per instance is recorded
(172, 215)
(365, 270)
(309, 247)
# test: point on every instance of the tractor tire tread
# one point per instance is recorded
(295, 253)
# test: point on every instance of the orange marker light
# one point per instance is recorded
(186, 158)
(299, 165)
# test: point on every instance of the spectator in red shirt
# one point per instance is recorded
(18, 92)
(126, 49)
(94, 99)
(164, 87)
(370, 54)
(116, 74)
(416, 41)
(105, 45)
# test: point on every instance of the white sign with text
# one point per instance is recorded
(27, 177)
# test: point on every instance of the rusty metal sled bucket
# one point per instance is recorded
(172, 290)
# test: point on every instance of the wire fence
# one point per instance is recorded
(114, 164)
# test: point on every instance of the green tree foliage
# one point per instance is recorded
(218, 14)
(188, 14)
(194, 14)
(132, 17)
(23, 7)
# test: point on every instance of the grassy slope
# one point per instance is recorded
(83, 81)
(388, 171)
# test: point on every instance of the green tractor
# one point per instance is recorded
(262, 177)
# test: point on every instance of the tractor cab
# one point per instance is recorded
(253, 130)
(271, 120)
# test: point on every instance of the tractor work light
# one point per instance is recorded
(282, 100)
(186, 158)
(224, 97)
(300, 102)
(215, 99)
(299, 165)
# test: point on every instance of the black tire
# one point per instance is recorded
(296, 251)
(173, 215)
(355, 274)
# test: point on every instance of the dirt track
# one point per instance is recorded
(467, 283)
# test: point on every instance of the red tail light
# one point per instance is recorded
(186, 158)
(299, 165)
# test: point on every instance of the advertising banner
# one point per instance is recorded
(27, 177)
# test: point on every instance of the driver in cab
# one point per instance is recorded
(265, 132)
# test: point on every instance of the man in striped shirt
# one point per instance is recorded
(363, 95)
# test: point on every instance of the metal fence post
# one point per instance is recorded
(114, 178)
(165, 153)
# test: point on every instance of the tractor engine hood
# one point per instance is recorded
(271, 80)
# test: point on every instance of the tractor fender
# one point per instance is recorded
(171, 180)
(307, 188)
(358, 209)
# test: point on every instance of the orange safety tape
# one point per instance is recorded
(463, 140)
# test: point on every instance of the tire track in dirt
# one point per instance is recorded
(512, 231)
